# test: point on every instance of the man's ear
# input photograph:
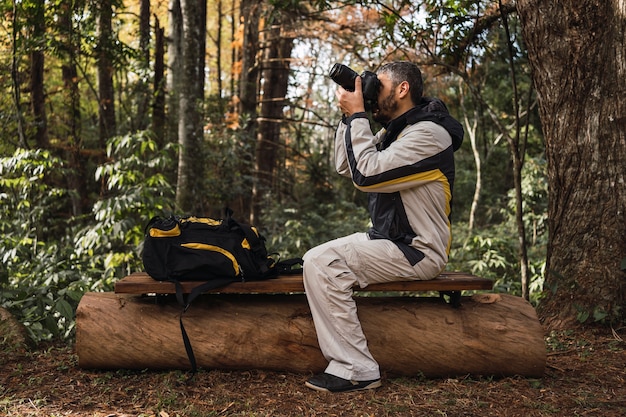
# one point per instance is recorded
(403, 89)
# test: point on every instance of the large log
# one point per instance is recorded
(490, 334)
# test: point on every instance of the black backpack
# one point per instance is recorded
(204, 249)
(214, 251)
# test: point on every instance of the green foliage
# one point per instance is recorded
(291, 231)
(598, 314)
(534, 199)
(321, 205)
(136, 189)
(487, 253)
(48, 262)
(492, 253)
(229, 156)
(38, 282)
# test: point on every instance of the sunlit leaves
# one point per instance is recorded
(138, 190)
(49, 260)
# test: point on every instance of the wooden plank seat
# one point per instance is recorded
(142, 283)
(448, 283)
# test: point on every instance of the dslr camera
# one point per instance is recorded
(345, 76)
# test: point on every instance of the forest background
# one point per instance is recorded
(114, 111)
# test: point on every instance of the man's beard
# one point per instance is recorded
(382, 113)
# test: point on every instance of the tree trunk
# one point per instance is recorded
(279, 40)
(249, 78)
(490, 334)
(470, 130)
(158, 105)
(15, 79)
(77, 177)
(576, 51)
(218, 50)
(144, 30)
(175, 68)
(106, 105)
(517, 148)
(248, 91)
(190, 188)
(37, 92)
(143, 89)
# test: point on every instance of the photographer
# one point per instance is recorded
(407, 169)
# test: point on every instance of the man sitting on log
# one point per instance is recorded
(407, 169)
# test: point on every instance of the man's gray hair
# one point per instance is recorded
(405, 71)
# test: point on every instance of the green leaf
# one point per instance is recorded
(65, 309)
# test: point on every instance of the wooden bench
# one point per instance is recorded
(268, 325)
(448, 283)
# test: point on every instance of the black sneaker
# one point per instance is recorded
(331, 383)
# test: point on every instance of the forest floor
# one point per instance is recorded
(585, 376)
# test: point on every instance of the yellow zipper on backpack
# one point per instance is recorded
(155, 232)
(204, 220)
(204, 246)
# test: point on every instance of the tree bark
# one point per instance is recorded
(191, 164)
(175, 68)
(248, 91)
(279, 40)
(37, 91)
(249, 78)
(218, 48)
(76, 179)
(106, 105)
(158, 105)
(15, 80)
(143, 89)
(576, 51)
(490, 334)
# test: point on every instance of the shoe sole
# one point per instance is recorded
(372, 385)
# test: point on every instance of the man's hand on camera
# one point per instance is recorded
(351, 102)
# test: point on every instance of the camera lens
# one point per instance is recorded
(344, 76)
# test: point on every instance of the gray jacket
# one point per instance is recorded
(408, 171)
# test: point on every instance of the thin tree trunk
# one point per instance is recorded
(517, 150)
(191, 167)
(76, 179)
(144, 30)
(37, 92)
(158, 105)
(470, 129)
(233, 53)
(275, 83)
(105, 73)
(175, 69)
(143, 89)
(248, 91)
(218, 47)
(15, 78)
(249, 82)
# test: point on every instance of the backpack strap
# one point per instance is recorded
(207, 286)
(256, 244)
(291, 266)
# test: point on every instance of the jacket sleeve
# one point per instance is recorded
(419, 155)
(341, 155)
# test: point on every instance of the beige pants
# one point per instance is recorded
(330, 272)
